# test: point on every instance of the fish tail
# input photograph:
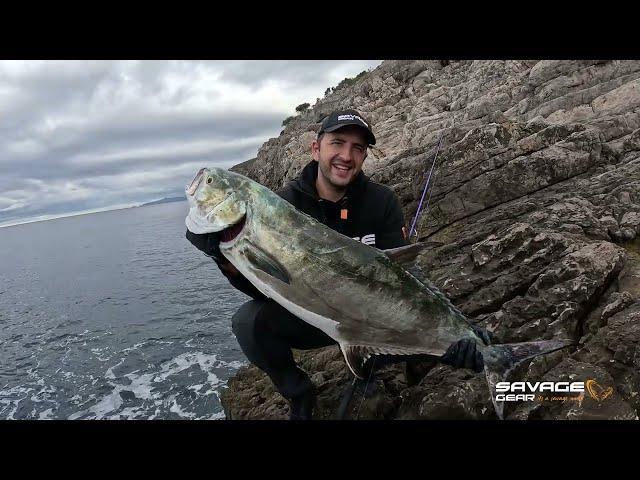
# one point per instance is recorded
(500, 360)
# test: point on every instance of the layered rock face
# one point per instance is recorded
(532, 223)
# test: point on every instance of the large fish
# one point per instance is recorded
(358, 295)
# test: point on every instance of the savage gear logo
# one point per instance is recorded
(597, 392)
(551, 391)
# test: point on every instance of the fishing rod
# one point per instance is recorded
(351, 388)
(413, 231)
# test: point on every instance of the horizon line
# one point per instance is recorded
(44, 218)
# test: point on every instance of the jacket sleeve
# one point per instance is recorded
(239, 281)
(287, 193)
(390, 234)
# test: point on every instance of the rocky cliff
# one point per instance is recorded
(533, 226)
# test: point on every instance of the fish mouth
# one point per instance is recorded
(231, 233)
(195, 183)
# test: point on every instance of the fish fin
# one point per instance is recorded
(417, 272)
(261, 260)
(408, 253)
(500, 360)
(357, 355)
(405, 254)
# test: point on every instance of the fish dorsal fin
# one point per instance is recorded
(417, 272)
(261, 260)
(408, 253)
(405, 254)
(356, 356)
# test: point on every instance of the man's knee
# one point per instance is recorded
(264, 324)
(244, 320)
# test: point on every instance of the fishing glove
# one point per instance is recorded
(207, 243)
(464, 354)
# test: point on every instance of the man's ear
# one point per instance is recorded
(315, 150)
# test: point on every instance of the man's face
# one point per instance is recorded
(340, 155)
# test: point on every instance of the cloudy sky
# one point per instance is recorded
(88, 135)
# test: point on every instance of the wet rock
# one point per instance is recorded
(532, 223)
(447, 393)
(616, 349)
(560, 297)
(619, 301)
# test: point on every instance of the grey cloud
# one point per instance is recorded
(294, 72)
(135, 133)
(74, 135)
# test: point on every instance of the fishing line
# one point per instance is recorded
(364, 392)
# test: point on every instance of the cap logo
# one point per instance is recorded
(352, 117)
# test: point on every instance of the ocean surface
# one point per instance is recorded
(113, 315)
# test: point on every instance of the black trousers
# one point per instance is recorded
(266, 333)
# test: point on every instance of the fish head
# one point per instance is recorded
(218, 201)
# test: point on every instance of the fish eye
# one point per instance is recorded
(209, 180)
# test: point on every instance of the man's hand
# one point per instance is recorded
(207, 243)
(464, 354)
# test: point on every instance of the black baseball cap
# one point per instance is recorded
(342, 118)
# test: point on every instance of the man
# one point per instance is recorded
(333, 189)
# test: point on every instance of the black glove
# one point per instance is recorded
(207, 243)
(464, 354)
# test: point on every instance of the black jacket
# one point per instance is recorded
(373, 212)
(373, 216)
